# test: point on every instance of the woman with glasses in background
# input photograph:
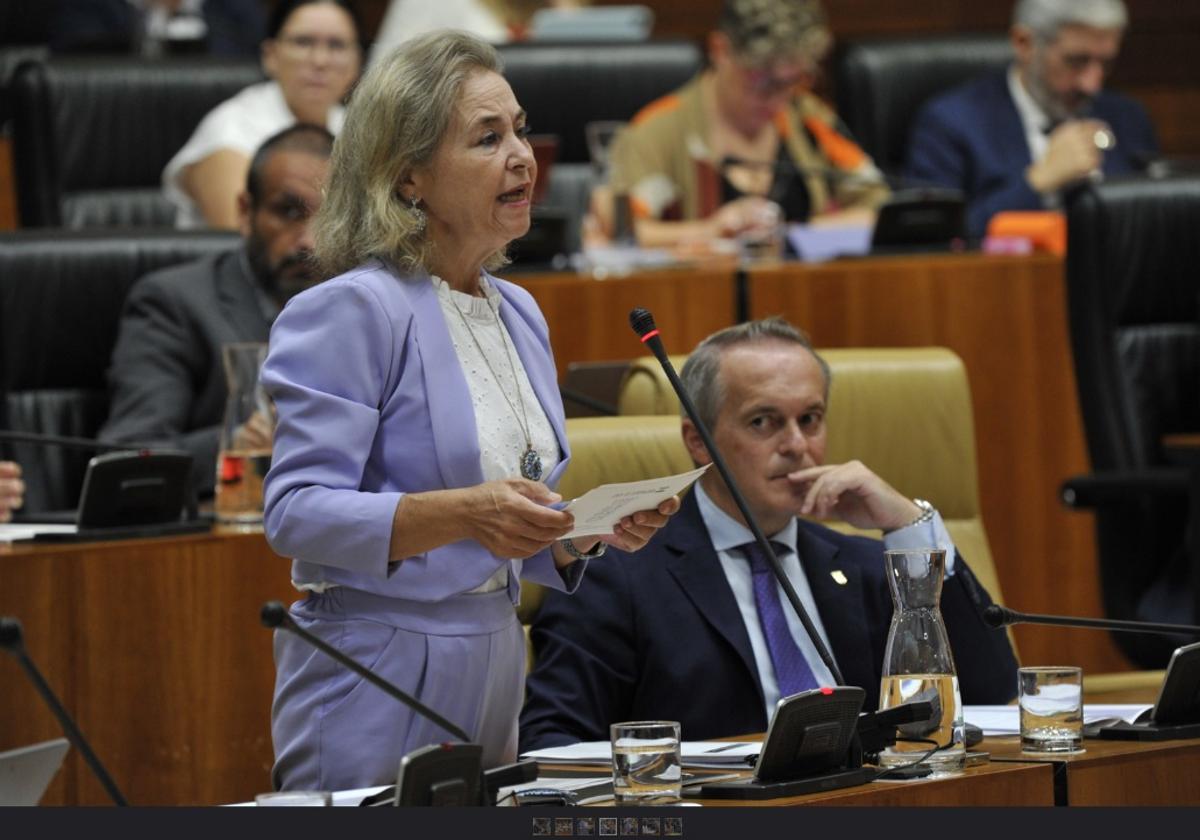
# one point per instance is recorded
(313, 55)
(745, 145)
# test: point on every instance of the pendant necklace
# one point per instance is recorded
(531, 462)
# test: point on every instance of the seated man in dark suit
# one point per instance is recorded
(691, 630)
(167, 380)
(1013, 141)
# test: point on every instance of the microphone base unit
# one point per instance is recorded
(752, 790)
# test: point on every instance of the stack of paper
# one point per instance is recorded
(694, 753)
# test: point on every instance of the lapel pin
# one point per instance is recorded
(838, 577)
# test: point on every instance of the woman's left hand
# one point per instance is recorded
(634, 531)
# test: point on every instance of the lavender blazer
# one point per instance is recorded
(373, 404)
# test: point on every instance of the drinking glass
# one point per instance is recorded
(1051, 699)
(647, 769)
(246, 435)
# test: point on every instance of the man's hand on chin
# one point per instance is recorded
(852, 493)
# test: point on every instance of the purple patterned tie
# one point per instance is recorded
(792, 671)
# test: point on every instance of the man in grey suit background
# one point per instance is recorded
(166, 380)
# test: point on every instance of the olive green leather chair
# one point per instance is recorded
(607, 450)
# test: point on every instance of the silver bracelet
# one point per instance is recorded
(927, 512)
(597, 550)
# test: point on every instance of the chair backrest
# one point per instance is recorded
(905, 412)
(12, 57)
(1133, 289)
(61, 295)
(881, 84)
(92, 135)
(1133, 300)
(605, 450)
(565, 86)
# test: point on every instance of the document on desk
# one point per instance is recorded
(28, 530)
(601, 508)
(1006, 720)
(820, 243)
(693, 753)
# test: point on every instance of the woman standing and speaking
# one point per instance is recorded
(420, 429)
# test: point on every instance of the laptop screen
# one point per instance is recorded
(25, 773)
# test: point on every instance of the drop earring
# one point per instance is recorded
(418, 215)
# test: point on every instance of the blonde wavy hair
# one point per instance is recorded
(395, 122)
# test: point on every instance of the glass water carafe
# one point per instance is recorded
(918, 665)
(246, 436)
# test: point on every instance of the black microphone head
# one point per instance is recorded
(642, 321)
(10, 633)
(996, 616)
(273, 614)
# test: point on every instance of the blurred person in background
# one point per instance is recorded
(1014, 140)
(229, 28)
(495, 21)
(167, 380)
(745, 145)
(313, 55)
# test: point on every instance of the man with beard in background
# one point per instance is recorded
(167, 380)
(1014, 140)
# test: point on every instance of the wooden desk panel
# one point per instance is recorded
(989, 785)
(589, 319)
(1006, 317)
(1120, 772)
(155, 646)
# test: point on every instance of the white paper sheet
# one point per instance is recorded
(1006, 720)
(28, 530)
(693, 753)
(598, 510)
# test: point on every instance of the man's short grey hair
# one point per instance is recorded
(1047, 17)
(701, 373)
(396, 119)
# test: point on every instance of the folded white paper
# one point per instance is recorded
(1006, 720)
(599, 510)
(693, 753)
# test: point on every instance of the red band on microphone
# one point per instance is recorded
(649, 336)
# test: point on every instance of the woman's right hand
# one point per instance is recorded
(12, 489)
(750, 215)
(510, 517)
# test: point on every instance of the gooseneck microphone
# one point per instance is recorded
(12, 640)
(997, 616)
(643, 324)
(275, 614)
